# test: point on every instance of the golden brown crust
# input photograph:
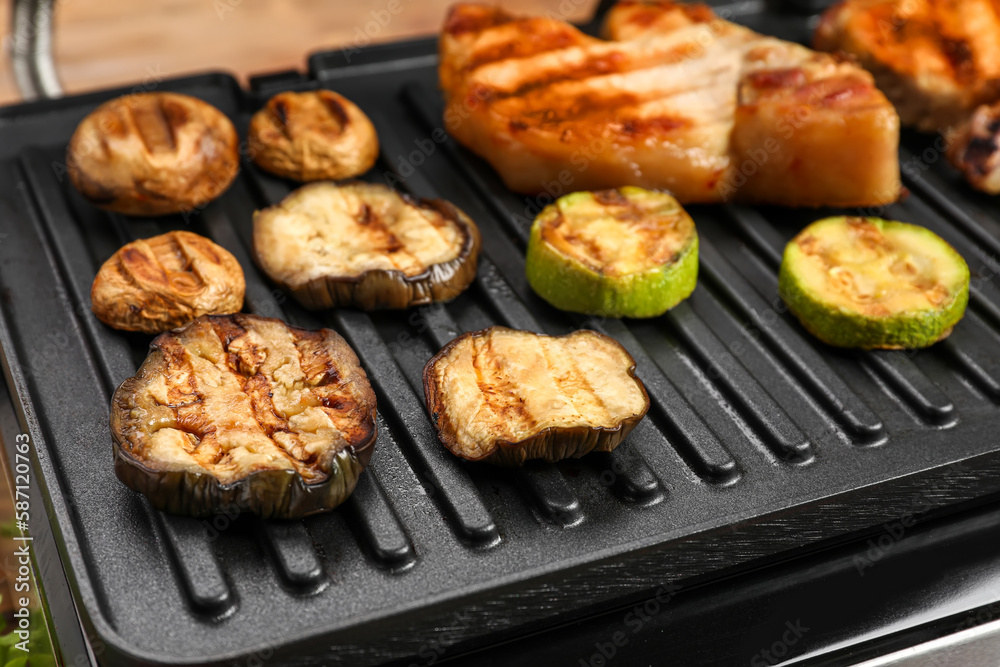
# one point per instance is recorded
(937, 60)
(153, 154)
(680, 100)
(229, 396)
(504, 396)
(365, 245)
(156, 284)
(313, 136)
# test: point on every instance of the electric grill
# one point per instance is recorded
(760, 444)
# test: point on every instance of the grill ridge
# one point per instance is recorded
(697, 488)
(199, 570)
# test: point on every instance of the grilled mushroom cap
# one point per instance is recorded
(506, 396)
(153, 154)
(160, 283)
(248, 412)
(365, 245)
(313, 136)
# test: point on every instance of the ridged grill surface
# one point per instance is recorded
(758, 439)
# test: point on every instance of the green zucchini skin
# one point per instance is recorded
(842, 327)
(570, 285)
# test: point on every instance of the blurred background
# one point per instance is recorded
(101, 43)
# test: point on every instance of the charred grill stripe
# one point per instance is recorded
(335, 109)
(581, 378)
(153, 126)
(388, 242)
(279, 108)
(177, 264)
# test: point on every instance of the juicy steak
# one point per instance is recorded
(937, 60)
(678, 99)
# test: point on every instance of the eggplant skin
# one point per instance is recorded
(270, 494)
(220, 418)
(153, 154)
(551, 443)
(285, 257)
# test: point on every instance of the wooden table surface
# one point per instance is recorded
(101, 43)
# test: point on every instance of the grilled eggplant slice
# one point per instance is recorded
(874, 284)
(506, 396)
(313, 136)
(153, 154)
(619, 253)
(160, 283)
(244, 412)
(365, 245)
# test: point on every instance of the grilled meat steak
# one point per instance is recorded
(156, 284)
(974, 148)
(679, 99)
(937, 60)
(506, 396)
(153, 154)
(244, 411)
(313, 136)
(365, 245)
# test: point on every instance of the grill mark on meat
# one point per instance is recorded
(597, 65)
(577, 108)
(153, 126)
(791, 77)
(532, 42)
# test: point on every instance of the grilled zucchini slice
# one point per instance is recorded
(506, 396)
(247, 413)
(628, 252)
(874, 284)
(365, 245)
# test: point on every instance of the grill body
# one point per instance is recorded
(760, 441)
